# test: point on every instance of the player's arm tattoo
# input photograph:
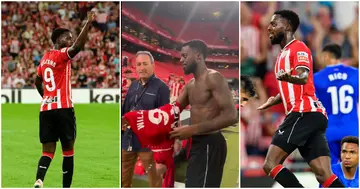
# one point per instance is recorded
(225, 103)
(302, 75)
(39, 86)
(80, 41)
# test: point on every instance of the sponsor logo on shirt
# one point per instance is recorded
(303, 57)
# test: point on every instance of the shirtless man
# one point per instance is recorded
(212, 109)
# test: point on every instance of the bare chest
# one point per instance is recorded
(199, 93)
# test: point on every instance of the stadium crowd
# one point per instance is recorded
(175, 81)
(26, 31)
(155, 39)
(320, 24)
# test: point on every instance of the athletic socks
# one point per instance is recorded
(43, 165)
(68, 168)
(288, 180)
(285, 177)
(333, 182)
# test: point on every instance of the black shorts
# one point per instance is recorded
(305, 131)
(57, 124)
(206, 161)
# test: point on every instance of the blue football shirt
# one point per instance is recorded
(337, 87)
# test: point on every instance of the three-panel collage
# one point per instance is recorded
(179, 94)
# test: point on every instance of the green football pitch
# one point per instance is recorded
(231, 169)
(96, 147)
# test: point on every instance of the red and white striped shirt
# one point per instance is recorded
(176, 89)
(55, 70)
(297, 98)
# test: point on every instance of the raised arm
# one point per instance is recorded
(81, 39)
(224, 99)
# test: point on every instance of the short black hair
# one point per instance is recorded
(198, 45)
(334, 49)
(247, 85)
(292, 18)
(350, 139)
(57, 33)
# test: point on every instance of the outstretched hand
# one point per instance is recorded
(267, 104)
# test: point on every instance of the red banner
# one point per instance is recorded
(176, 54)
(163, 33)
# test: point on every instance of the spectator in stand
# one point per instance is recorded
(15, 47)
(82, 79)
(116, 62)
(170, 80)
(18, 82)
(176, 88)
(182, 82)
(126, 78)
(73, 80)
(6, 80)
(125, 61)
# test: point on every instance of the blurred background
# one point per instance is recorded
(25, 37)
(161, 28)
(320, 24)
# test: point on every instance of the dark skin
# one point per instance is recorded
(280, 27)
(212, 106)
(349, 159)
(281, 32)
(124, 124)
(66, 40)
